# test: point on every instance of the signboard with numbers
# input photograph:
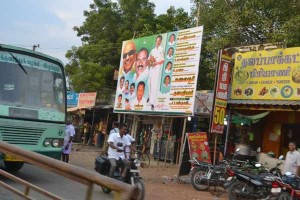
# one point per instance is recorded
(221, 91)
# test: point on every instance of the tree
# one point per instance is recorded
(231, 23)
(107, 24)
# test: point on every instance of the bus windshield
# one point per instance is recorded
(31, 88)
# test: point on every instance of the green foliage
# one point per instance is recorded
(107, 24)
(231, 23)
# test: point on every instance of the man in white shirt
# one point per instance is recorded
(139, 103)
(117, 143)
(115, 127)
(156, 59)
(292, 160)
(70, 133)
(142, 72)
(127, 148)
(128, 60)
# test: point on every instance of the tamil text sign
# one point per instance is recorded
(198, 146)
(86, 100)
(221, 91)
(267, 75)
(158, 74)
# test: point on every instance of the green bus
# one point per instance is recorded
(32, 103)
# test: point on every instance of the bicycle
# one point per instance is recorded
(143, 156)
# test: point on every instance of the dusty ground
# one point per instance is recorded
(155, 177)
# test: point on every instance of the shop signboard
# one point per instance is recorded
(203, 102)
(158, 74)
(72, 99)
(267, 75)
(87, 100)
(221, 91)
(198, 146)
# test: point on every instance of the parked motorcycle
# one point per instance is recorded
(251, 186)
(102, 166)
(288, 188)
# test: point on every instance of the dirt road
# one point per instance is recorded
(155, 178)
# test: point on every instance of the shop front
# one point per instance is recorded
(263, 105)
(159, 136)
(268, 125)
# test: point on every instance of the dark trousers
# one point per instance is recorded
(113, 166)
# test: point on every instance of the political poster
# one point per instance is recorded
(158, 74)
(87, 100)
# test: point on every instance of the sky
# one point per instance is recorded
(49, 23)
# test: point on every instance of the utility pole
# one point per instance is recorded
(35, 46)
(198, 13)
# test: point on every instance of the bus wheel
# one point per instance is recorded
(13, 166)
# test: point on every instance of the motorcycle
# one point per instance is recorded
(251, 186)
(288, 188)
(102, 166)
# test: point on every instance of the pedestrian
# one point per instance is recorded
(292, 160)
(70, 133)
(115, 127)
(128, 148)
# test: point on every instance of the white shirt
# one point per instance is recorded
(119, 142)
(136, 105)
(157, 53)
(127, 148)
(292, 162)
(70, 132)
(142, 77)
(114, 130)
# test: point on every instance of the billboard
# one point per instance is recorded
(267, 75)
(158, 74)
(221, 91)
(72, 99)
(87, 100)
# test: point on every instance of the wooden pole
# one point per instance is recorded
(215, 148)
(181, 150)
(160, 142)
(168, 141)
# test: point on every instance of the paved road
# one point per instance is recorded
(59, 185)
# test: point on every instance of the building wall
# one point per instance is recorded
(272, 133)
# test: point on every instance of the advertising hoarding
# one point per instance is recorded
(158, 74)
(267, 75)
(221, 92)
(87, 100)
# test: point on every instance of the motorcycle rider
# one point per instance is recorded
(117, 143)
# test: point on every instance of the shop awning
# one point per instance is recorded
(248, 119)
(264, 102)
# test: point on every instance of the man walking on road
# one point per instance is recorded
(70, 133)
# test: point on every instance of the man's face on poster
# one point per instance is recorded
(140, 92)
(121, 82)
(172, 38)
(129, 55)
(157, 42)
(141, 62)
(170, 52)
(131, 89)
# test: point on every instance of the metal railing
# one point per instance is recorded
(83, 176)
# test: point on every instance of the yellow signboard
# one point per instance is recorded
(267, 75)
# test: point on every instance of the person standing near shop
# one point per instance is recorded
(70, 133)
(292, 160)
